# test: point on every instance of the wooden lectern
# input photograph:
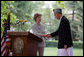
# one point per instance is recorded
(24, 43)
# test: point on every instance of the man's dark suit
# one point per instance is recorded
(64, 33)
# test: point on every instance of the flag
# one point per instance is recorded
(5, 39)
(8, 39)
(3, 46)
(8, 21)
(4, 42)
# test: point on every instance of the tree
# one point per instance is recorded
(5, 9)
(23, 10)
(77, 18)
(59, 4)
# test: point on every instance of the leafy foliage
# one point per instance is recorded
(5, 9)
(25, 10)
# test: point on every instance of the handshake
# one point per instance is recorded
(46, 35)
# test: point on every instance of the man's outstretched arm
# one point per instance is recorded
(50, 35)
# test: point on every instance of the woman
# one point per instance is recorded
(38, 29)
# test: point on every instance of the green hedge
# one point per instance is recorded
(54, 43)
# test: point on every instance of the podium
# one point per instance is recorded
(24, 43)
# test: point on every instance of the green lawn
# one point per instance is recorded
(52, 51)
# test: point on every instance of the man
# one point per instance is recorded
(65, 45)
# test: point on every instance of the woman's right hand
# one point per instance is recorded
(43, 35)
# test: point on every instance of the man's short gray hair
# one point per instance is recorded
(57, 10)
